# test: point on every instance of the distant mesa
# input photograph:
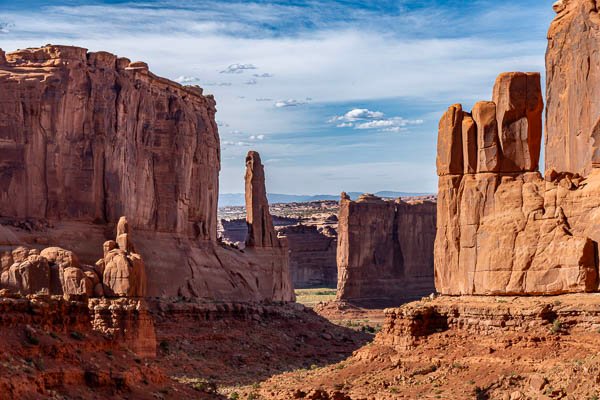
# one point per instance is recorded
(238, 199)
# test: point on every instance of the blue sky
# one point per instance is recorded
(335, 95)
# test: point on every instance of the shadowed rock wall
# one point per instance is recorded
(385, 250)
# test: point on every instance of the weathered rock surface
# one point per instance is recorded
(519, 106)
(260, 223)
(312, 248)
(507, 230)
(573, 82)
(450, 142)
(385, 250)
(312, 255)
(88, 137)
(123, 270)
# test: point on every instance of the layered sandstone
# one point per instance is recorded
(573, 81)
(91, 136)
(88, 137)
(504, 229)
(385, 248)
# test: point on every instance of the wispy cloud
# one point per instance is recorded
(251, 82)
(232, 143)
(373, 54)
(263, 75)
(363, 118)
(257, 137)
(289, 103)
(186, 79)
(237, 68)
(5, 27)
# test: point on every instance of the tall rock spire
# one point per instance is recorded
(260, 223)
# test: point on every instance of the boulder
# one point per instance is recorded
(123, 271)
(30, 276)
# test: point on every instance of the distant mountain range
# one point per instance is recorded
(237, 199)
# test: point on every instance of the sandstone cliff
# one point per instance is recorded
(88, 137)
(573, 81)
(312, 256)
(385, 250)
(504, 229)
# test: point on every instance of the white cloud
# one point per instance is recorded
(232, 143)
(288, 103)
(363, 118)
(5, 27)
(264, 75)
(237, 68)
(264, 99)
(186, 79)
(236, 132)
(221, 84)
(257, 137)
(251, 82)
(358, 114)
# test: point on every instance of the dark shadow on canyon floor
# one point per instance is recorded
(241, 343)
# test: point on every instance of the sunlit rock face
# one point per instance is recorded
(505, 230)
(88, 137)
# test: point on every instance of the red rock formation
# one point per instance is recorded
(385, 249)
(312, 256)
(504, 230)
(123, 270)
(88, 137)
(450, 150)
(519, 106)
(312, 248)
(573, 82)
(260, 223)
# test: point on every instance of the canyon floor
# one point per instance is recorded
(437, 348)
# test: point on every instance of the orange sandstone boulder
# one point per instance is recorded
(124, 273)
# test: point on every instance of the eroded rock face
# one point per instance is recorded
(519, 106)
(124, 273)
(506, 230)
(260, 223)
(385, 250)
(53, 271)
(573, 81)
(312, 256)
(89, 136)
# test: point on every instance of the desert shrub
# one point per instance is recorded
(31, 338)
(556, 327)
(77, 335)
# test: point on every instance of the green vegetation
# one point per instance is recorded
(77, 335)
(311, 297)
(556, 327)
